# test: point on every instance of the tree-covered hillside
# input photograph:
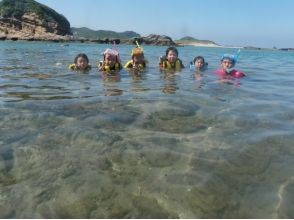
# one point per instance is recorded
(100, 34)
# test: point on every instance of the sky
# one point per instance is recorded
(259, 23)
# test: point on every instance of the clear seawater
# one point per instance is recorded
(76, 145)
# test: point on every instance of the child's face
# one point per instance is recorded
(227, 64)
(82, 63)
(199, 64)
(172, 56)
(110, 59)
(138, 59)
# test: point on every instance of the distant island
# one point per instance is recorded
(196, 42)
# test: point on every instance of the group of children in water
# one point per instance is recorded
(170, 62)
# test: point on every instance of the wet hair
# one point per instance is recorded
(83, 56)
(137, 51)
(199, 58)
(171, 49)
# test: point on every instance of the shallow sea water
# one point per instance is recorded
(157, 145)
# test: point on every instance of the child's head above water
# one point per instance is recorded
(199, 62)
(171, 54)
(137, 51)
(81, 61)
(111, 57)
(137, 56)
(228, 61)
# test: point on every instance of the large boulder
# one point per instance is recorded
(28, 19)
(160, 40)
(153, 39)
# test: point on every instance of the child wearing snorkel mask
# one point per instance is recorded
(111, 61)
(228, 62)
(138, 61)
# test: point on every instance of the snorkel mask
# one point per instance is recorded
(231, 57)
(111, 52)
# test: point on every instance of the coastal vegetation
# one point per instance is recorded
(100, 34)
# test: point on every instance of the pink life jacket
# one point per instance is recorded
(233, 73)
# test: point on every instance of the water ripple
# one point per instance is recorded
(155, 145)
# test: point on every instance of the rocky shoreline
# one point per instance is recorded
(70, 39)
(152, 39)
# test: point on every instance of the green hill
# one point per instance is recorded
(188, 39)
(100, 34)
(17, 8)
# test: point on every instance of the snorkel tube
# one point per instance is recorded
(237, 55)
(138, 50)
(237, 73)
(138, 61)
(138, 45)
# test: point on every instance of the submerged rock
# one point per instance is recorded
(6, 154)
(175, 121)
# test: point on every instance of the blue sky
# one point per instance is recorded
(261, 23)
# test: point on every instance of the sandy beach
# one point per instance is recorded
(207, 45)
